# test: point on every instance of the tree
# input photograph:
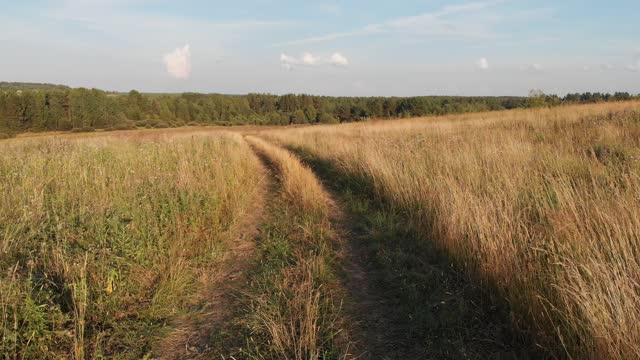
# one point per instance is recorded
(310, 113)
(536, 98)
(343, 113)
(325, 118)
(36, 108)
(298, 117)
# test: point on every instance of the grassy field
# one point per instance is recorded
(294, 298)
(508, 234)
(106, 240)
(540, 207)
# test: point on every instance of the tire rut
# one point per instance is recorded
(368, 326)
(404, 298)
(191, 337)
(371, 326)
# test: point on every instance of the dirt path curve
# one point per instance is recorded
(191, 337)
(365, 314)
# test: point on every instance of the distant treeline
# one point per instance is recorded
(43, 107)
(14, 86)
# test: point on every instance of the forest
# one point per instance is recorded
(26, 107)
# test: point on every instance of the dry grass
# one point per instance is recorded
(105, 239)
(295, 301)
(298, 182)
(543, 206)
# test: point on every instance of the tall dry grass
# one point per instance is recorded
(295, 311)
(299, 183)
(104, 239)
(542, 206)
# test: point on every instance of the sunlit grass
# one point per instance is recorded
(295, 296)
(543, 206)
(104, 239)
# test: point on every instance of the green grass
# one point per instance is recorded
(290, 311)
(292, 300)
(105, 240)
(502, 235)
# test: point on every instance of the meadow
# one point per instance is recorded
(540, 207)
(107, 240)
(507, 234)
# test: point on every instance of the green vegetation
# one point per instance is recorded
(508, 234)
(294, 294)
(20, 86)
(105, 241)
(42, 107)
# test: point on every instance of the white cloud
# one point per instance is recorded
(286, 59)
(288, 62)
(308, 59)
(338, 59)
(178, 62)
(482, 64)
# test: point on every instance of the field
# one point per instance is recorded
(510, 234)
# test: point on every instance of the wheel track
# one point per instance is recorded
(462, 321)
(367, 324)
(191, 335)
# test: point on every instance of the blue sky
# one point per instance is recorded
(492, 47)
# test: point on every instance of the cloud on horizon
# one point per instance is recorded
(482, 64)
(309, 59)
(288, 62)
(338, 59)
(178, 62)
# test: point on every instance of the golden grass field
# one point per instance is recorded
(132, 244)
(541, 206)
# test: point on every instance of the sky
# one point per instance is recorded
(341, 48)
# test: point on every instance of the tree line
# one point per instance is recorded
(47, 108)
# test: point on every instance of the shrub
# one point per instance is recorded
(160, 124)
(125, 126)
(325, 118)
